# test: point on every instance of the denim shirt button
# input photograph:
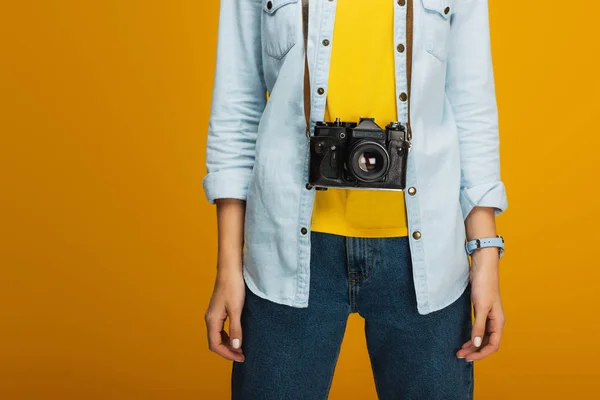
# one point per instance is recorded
(416, 235)
(308, 186)
(412, 190)
(304, 231)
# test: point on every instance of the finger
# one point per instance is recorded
(492, 346)
(226, 341)
(481, 315)
(216, 343)
(491, 341)
(466, 349)
(235, 330)
(469, 347)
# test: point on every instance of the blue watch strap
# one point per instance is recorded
(479, 243)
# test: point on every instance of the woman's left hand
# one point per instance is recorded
(485, 296)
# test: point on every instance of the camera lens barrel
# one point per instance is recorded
(368, 161)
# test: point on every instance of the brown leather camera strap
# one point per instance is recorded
(408, 47)
(306, 76)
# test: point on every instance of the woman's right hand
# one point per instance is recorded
(227, 301)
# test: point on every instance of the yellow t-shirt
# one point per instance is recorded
(361, 83)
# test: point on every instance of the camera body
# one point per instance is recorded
(358, 156)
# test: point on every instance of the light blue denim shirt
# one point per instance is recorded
(257, 150)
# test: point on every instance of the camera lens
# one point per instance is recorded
(368, 161)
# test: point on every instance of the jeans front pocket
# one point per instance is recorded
(436, 26)
(279, 26)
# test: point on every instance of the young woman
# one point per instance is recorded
(293, 261)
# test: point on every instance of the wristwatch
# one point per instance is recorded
(479, 243)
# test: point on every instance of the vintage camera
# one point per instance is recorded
(359, 156)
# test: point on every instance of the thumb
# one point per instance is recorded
(478, 331)
(235, 330)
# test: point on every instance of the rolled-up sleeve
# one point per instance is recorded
(471, 92)
(238, 101)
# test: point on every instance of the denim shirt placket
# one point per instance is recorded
(411, 200)
(319, 60)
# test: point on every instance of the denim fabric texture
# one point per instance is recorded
(291, 353)
(257, 150)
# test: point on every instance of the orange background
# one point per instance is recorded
(107, 244)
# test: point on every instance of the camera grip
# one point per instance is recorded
(398, 151)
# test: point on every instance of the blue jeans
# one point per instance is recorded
(291, 353)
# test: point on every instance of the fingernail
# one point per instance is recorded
(460, 356)
(477, 341)
(238, 360)
(235, 343)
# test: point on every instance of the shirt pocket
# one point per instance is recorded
(279, 26)
(436, 26)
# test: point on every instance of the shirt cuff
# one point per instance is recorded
(485, 195)
(227, 184)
